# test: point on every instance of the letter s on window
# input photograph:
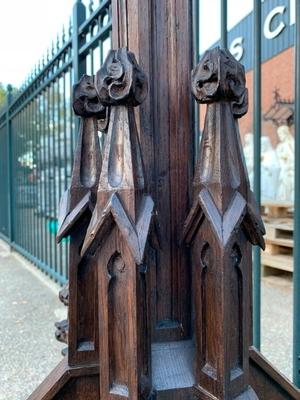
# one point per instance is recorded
(271, 34)
(236, 48)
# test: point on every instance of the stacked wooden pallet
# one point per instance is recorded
(278, 255)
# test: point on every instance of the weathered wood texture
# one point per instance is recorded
(75, 213)
(118, 234)
(69, 383)
(223, 223)
(159, 33)
(123, 266)
(268, 382)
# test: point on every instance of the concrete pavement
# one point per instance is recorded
(29, 306)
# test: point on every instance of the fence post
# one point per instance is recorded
(296, 277)
(224, 24)
(79, 64)
(9, 165)
(257, 172)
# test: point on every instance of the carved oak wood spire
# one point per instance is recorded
(75, 212)
(118, 234)
(222, 224)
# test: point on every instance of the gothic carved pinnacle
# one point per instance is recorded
(80, 197)
(219, 76)
(221, 184)
(75, 211)
(86, 102)
(121, 84)
(120, 81)
(222, 223)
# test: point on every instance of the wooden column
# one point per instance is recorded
(117, 237)
(223, 223)
(159, 32)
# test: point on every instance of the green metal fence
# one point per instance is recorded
(37, 137)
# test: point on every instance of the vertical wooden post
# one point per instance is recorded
(222, 224)
(159, 32)
(118, 236)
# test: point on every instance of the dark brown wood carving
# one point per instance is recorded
(62, 327)
(62, 331)
(159, 32)
(64, 294)
(223, 223)
(76, 207)
(126, 285)
(117, 237)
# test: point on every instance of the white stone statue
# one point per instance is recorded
(248, 153)
(270, 170)
(285, 151)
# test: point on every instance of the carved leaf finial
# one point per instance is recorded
(86, 102)
(121, 81)
(221, 183)
(222, 223)
(219, 76)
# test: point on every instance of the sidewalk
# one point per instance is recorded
(277, 322)
(29, 306)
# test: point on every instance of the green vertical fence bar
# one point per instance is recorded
(296, 274)
(79, 16)
(257, 151)
(224, 24)
(9, 166)
(43, 171)
(66, 158)
(79, 64)
(23, 191)
(48, 180)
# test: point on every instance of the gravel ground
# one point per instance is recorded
(29, 306)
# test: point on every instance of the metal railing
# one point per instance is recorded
(296, 276)
(257, 33)
(37, 137)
